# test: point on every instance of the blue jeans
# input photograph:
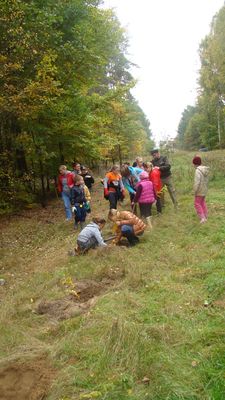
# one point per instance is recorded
(67, 205)
(128, 232)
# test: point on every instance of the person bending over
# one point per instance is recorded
(128, 225)
(90, 237)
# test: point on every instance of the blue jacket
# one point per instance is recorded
(130, 181)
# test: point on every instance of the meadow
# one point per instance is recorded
(120, 323)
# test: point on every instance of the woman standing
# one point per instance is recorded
(65, 183)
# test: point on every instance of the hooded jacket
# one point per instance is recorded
(201, 180)
(92, 230)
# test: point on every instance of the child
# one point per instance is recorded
(130, 177)
(65, 183)
(155, 178)
(128, 225)
(200, 188)
(113, 187)
(78, 201)
(90, 237)
(145, 196)
(87, 196)
(88, 178)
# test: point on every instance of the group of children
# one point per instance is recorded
(143, 181)
(75, 188)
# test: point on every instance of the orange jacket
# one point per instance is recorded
(113, 181)
(128, 218)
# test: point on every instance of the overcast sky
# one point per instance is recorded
(164, 37)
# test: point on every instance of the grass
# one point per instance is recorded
(150, 336)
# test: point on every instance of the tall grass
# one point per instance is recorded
(157, 332)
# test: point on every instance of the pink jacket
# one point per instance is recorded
(145, 192)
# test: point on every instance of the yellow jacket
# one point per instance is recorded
(87, 193)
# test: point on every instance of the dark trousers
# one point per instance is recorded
(128, 232)
(145, 209)
(158, 205)
(80, 213)
(113, 198)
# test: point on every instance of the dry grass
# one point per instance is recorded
(150, 336)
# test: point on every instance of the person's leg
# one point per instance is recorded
(83, 214)
(128, 232)
(77, 215)
(204, 207)
(89, 244)
(149, 215)
(112, 200)
(67, 205)
(198, 208)
(158, 205)
(145, 209)
(168, 182)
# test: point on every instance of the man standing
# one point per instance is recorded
(165, 170)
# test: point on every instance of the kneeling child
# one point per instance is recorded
(90, 237)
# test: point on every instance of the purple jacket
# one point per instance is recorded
(145, 192)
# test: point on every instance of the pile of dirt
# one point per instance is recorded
(26, 380)
(78, 302)
(63, 308)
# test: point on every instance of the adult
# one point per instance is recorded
(65, 183)
(164, 166)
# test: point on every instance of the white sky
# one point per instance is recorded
(164, 38)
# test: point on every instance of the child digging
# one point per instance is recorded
(128, 225)
(90, 237)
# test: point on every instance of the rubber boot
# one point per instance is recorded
(149, 222)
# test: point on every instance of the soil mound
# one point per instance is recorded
(25, 380)
(83, 297)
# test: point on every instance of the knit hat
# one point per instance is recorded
(144, 175)
(197, 160)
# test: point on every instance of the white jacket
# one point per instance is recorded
(201, 180)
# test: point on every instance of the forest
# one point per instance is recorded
(65, 94)
(203, 125)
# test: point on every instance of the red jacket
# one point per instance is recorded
(70, 181)
(155, 177)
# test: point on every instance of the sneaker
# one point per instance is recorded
(203, 220)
